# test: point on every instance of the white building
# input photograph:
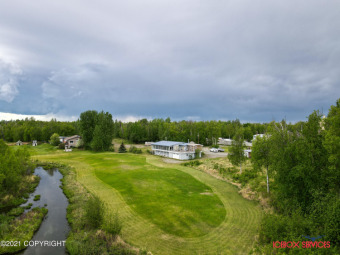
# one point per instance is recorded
(247, 153)
(225, 141)
(258, 135)
(176, 150)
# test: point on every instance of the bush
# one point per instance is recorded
(16, 211)
(94, 212)
(192, 163)
(36, 198)
(61, 146)
(122, 148)
(113, 225)
(245, 177)
(54, 140)
(134, 150)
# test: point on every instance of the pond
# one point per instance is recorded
(55, 226)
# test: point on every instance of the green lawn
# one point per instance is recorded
(173, 200)
(167, 208)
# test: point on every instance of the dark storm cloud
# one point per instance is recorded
(184, 59)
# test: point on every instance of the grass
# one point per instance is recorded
(83, 239)
(171, 199)
(161, 205)
(36, 197)
(21, 229)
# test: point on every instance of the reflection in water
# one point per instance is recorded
(55, 226)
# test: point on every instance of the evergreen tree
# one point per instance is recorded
(122, 148)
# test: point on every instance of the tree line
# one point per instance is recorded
(30, 129)
(203, 132)
(303, 178)
(14, 166)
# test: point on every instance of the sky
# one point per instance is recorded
(256, 61)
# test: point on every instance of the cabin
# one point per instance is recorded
(62, 139)
(34, 143)
(18, 143)
(71, 141)
(176, 150)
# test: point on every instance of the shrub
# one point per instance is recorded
(16, 211)
(122, 148)
(244, 177)
(61, 146)
(113, 225)
(134, 150)
(192, 163)
(54, 140)
(94, 212)
(36, 198)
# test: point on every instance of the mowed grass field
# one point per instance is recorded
(166, 208)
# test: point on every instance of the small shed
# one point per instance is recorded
(19, 143)
(35, 143)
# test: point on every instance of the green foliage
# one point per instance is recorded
(14, 165)
(236, 153)
(197, 153)
(113, 224)
(245, 177)
(135, 150)
(20, 229)
(27, 207)
(87, 124)
(97, 130)
(192, 163)
(61, 146)
(94, 212)
(30, 129)
(261, 155)
(305, 164)
(16, 211)
(81, 239)
(122, 148)
(332, 144)
(54, 139)
(36, 197)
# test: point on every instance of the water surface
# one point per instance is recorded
(55, 226)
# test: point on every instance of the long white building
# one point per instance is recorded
(176, 150)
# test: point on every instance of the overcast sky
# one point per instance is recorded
(252, 60)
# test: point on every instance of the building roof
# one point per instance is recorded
(72, 137)
(167, 143)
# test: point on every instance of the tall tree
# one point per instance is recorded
(332, 144)
(260, 155)
(236, 153)
(54, 140)
(87, 124)
(103, 132)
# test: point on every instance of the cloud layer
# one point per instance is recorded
(187, 60)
